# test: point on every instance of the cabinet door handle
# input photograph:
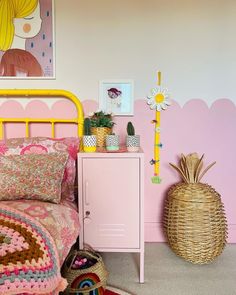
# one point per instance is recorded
(86, 193)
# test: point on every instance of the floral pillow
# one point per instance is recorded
(32, 176)
(45, 145)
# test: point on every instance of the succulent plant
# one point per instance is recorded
(101, 119)
(130, 129)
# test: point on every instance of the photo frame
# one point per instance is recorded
(116, 96)
(29, 53)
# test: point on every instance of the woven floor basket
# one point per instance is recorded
(85, 281)
(101, 133)
(194, 222)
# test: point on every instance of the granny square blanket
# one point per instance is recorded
(29, 260)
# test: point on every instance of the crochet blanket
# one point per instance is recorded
(29, 261)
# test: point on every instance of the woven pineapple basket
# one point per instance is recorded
(194, 219)
(85, 281)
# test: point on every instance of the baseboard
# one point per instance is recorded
(153, 232)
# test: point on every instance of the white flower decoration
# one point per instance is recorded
(158, 100)
(91, 114)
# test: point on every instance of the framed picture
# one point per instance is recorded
(27, 48)
(116, 96)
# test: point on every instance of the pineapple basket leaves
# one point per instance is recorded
(194, 219)
(190, 168)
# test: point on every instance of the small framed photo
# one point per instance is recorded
(116, 96)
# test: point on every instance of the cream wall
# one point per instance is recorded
(192, 42)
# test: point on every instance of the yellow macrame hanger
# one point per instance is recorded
(156, 178)
(158, 100)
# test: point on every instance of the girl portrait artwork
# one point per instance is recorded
(115, 96)
(26, 38)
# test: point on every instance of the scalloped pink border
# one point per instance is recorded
(195, 127)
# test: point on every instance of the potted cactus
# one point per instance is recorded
(112, 142)
(89, 140)
(132, 140)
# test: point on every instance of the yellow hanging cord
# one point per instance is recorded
(157, 135)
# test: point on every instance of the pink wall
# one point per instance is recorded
(192, 128)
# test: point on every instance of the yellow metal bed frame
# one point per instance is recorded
(42, 93)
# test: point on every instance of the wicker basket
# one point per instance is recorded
(84, 281)
(194, 220)
(101, 133)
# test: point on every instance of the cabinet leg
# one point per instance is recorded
(141, 267)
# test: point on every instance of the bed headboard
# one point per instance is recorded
(42, 94)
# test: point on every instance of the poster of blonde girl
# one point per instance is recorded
(26, 39)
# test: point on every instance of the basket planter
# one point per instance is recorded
(194, 219)
(101, 133)
(84, 281)
(112, 142)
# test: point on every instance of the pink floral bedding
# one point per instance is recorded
(61, 220)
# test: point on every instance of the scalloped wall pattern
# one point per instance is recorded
(195, 127)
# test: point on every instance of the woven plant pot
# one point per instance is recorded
(91, 280)
(101, 133)
(194, 219)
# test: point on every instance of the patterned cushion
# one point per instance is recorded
(44, 145)
(32, 176)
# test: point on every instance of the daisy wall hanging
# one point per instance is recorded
(158, 101)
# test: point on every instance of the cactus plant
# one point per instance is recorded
(130, 129)
(132, 140)
(87, 126)
(89, 141)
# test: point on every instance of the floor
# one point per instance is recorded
(167, 274)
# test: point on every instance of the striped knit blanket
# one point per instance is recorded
(28, 256)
